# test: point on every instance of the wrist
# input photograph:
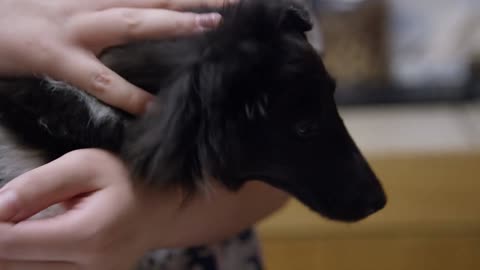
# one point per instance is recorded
(158, 211)
(207, 218)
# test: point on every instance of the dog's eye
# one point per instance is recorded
(308, 128)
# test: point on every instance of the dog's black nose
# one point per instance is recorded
(377, 204)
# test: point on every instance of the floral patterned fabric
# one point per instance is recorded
(239, 253)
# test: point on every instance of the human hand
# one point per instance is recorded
(109, 224)
(101, 228)
(62, 39)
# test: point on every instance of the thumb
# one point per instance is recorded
(55, 182)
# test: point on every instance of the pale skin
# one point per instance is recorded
(109, 222)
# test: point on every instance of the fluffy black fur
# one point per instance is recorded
(250, 100)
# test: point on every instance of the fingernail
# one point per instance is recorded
(147, 104)
(151, 105)
(208, 21)
(8, 200)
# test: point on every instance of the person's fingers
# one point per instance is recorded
(70, 236)
(40, 188)
(53, 239)
(167, 4)
(21, 265)
(85, 71)
(117, 26)
(9, 205)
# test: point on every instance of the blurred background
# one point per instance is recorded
(408, 73)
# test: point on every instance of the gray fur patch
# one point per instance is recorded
(16, 159)
(99, 112)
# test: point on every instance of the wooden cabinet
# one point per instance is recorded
(431, 222)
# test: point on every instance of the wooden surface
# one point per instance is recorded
(432, 221)
(452, 253)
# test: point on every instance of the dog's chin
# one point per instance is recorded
(349, 214)
(314, 202)
(341, 215)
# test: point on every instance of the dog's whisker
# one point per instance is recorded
(249, 111)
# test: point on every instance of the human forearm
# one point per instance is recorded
(213, 216)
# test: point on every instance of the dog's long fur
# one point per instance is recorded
(250, 100)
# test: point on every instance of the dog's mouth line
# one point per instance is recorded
(316, 206)
(284, 185)
(274, 181)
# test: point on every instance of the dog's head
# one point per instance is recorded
(258, 104)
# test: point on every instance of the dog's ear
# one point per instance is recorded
(162, 147)
(297, 18)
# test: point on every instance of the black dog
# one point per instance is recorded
(250, 100)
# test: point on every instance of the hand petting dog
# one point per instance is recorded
(61, 39)
(109, 224)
